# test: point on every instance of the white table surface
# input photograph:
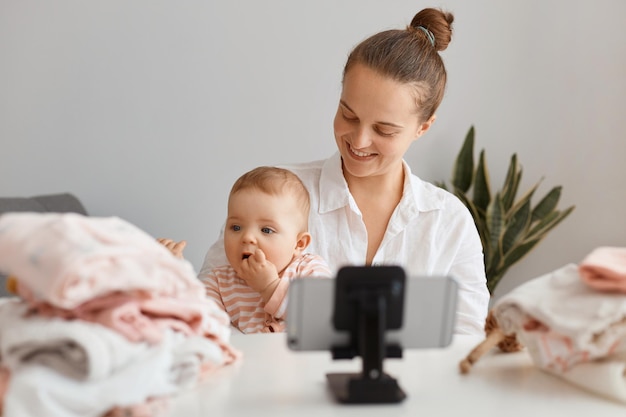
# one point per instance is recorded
(271, 380)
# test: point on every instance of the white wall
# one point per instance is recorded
(150, 109)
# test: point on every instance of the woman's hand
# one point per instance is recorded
(175, 247)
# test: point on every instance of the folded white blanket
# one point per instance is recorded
(605, 377)
(75, 348)
(164, 369)
(570, 329)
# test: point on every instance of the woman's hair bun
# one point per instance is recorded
(435, 26)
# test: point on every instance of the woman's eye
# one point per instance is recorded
(267, 230)
(349, 118)
(385, 134)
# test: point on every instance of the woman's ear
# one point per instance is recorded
(304, 239)
(423, 128)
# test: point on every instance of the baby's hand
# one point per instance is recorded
(258, 272)
(175, 247)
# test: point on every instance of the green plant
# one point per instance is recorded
(509, 228)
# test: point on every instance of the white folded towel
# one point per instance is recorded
(173, 365)
(76, 348)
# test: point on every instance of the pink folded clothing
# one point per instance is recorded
(142, 317)
(604, 269)
(67, 258)
(107, 319)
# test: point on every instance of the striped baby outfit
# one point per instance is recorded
(245, 306)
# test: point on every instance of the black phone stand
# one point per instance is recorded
(368, 301)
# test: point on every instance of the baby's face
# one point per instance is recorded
(271, 223)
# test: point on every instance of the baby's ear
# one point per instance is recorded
(304, 239)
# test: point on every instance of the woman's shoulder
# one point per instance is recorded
(434, 196)
(311, 172)
(305, 167)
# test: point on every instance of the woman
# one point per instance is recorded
(366, 206)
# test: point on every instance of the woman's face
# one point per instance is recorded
(376, 122)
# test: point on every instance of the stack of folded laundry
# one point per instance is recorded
(106, 322)
(572, 321)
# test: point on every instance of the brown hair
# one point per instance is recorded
(278, 182)
(411, 56)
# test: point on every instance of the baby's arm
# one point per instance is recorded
(214, 257)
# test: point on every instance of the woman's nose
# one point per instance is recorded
(361, 139)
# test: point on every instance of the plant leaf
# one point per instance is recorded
(523, 200)
(463, 172)
(493, 279)
(441, 184)
(492, 261)
(517, 253)
(511, 183)
(547, 223)
(516, 225)
(495, 222)
(479, 219)
(547, 204)
(481, 186)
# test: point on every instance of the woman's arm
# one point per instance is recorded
(215, 256)
(468, 268)
(212, 289)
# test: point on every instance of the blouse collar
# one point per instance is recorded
(334, 192)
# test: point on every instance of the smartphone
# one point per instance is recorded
(428, 320)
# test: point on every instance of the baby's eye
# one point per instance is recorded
(235, 228)
(267, 230)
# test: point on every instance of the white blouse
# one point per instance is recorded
(431, 232)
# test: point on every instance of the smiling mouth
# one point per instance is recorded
(359, 153)
(245, 256)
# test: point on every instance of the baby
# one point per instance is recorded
(265, 238)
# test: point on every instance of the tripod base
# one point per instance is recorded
(355, 389)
